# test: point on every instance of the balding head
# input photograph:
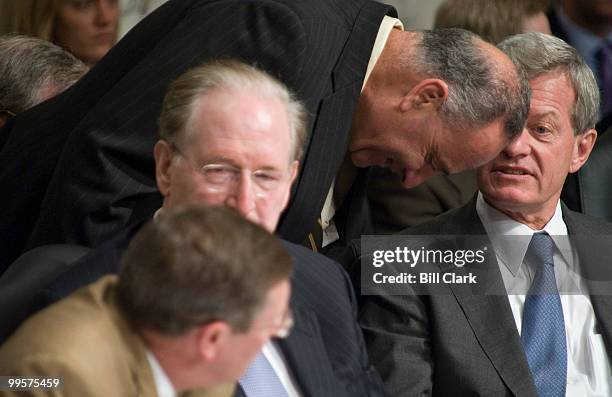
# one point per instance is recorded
(437, 101)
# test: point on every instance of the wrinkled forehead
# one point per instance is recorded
(241, 123)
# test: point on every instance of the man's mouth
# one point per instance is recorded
(512, 170)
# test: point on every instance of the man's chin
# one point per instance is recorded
(507, 199)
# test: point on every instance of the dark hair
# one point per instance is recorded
(195, 265)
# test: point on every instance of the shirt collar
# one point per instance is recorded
(511, 250)
(163, 385)
(386, 26)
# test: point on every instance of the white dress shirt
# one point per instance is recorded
(280, 367)
(330, 233)
(588, 367)
(163, 385)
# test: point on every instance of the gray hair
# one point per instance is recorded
(32, 69)
(539, 54)
(478, 94)
(184, 93)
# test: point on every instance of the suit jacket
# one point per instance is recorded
(460, 343)
(95, 142)
(395, 208)
(85, 341)
(325, 350)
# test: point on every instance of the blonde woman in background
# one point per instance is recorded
(86, 28)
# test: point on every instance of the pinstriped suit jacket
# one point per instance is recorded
(79, 166)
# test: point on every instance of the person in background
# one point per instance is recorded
(85, 28)
(31, 71)
(394, 207)
(196, 298)
(494, 20)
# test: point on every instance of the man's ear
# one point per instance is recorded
(212, 339)
(583, 145)
(428, 94)
(163, 160)
(293, 172)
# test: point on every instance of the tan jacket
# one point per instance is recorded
(84, 340)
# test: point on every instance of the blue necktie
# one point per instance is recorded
(260, 380)
(543, 328)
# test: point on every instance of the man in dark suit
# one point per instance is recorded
(95, 166)
(231, 135)
(510, 332)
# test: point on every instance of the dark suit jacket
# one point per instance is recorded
(103, 129)
(459, 343)
(325, 350)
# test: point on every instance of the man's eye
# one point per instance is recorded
(219, 174)
(82, 4)
(267, 180)
(541, 130)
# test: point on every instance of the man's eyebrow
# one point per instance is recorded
(551, 114)
(231, 162)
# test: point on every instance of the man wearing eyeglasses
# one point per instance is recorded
(231, 135)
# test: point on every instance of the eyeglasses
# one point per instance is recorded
(224, 178)
(286, 325)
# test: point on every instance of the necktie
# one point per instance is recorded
(604, 60)
(543, 328)
(260, 380)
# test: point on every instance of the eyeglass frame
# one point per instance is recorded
(284, 329)
(261, 191)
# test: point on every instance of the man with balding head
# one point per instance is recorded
(378, 95)
(533, 317)
(231, 135)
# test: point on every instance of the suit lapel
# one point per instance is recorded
(331, 132)
(602, 306)
(593, 257)
(490, 316)
(306, 356)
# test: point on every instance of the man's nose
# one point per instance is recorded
(243, 195)
(105, 12)
(520, 146)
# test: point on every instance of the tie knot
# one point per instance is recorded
(540, 250)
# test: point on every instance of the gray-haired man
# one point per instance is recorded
(529, 340)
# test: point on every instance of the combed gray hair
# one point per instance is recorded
(31, 69)
(185, 92)
(478, 94)
(539, 54)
